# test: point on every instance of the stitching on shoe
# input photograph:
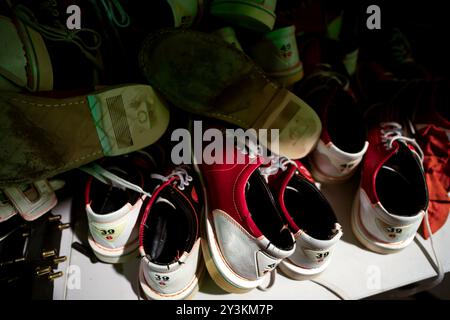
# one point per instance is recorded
(217, 114)
(63, 167)
(49, 105)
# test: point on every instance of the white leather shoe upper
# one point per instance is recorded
(173, 278)
(247, 256)
(382, 226)
(313, 253)
(116, 229)
(334, 163)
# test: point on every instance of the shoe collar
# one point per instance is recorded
(317, 243)
(278, 175)
(180, 182)
(385, 141)
(279, 183)
(110, 178)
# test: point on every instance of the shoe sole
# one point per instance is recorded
(187, 293)
(363, 239)
(114, 256)
(298, 273)
(45, 137)
(223, 75)
(38, 65)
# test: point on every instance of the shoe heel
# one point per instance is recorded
(296, 276)
(299, 125)
(359, 233)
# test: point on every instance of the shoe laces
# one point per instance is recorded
(276, 163)
(249, 147)
(110, 178)
(325, 73)
(183, 178)
(76, 37)
(113, 8)
(392, 131)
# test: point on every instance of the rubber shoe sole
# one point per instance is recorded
(114, 256)
(42, 137)
(202, 74)
(187, 293)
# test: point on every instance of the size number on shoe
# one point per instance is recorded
(394, 233)
(318, 256)
(108, 232)
(161, 280)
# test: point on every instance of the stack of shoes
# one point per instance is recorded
(226, 85)
(25, 65)
(255, 206)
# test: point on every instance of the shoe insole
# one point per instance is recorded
(169, 231)
(346, 129)
(310, 210)
(396, 192)
(265, 213)
(106, 199)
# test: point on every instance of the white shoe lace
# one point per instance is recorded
(112, 7)
(184, 179)
(249, 147)
(109, 178)
(276, 163)
(62, 34)
(392, 131)
(281, 163)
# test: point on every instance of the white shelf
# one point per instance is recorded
(354, 270)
